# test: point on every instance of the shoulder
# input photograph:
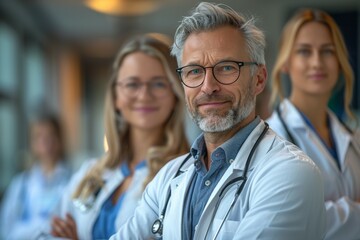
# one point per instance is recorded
(280, 115)
(275, 123)
(180, 163)
(286, 159)
(82, 171)
(17, 182)
(167, 173)
(87, 165)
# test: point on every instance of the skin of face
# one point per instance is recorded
(216, 107)
(44, 142)
(144, 111)
(313, 65)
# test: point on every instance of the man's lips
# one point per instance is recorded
(212, 104)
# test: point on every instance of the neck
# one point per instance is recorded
(48, 166)
(215, 139)
(314, 108)
(141, 141)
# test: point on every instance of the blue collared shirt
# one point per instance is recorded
(204, 182)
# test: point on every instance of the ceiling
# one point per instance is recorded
(73, 23)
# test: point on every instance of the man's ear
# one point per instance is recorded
(260, 78)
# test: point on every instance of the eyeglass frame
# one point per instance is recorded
(142, 84)
(239, 63)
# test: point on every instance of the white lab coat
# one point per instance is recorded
(113, 178)
(35, 193)
(282, 198)
(342, 188)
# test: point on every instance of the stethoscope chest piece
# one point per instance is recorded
(157, 226)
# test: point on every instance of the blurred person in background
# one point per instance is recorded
(144, 117)
(32, 196)
(314, 57)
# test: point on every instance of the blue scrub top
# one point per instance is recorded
(104, 226)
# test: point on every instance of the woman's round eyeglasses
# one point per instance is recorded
(158, 87)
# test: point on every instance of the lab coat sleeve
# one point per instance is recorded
(343, 214)
(11, 224)
(10, 210)
(285, 202)
(66, 204)
(343, 218)
(140, 225)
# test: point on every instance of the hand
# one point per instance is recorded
(65, 228)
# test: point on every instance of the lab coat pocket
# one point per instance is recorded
(227, 230)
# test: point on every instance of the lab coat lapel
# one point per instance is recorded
(112, 178)
(342, 138)
(235, 170)
(179, 188)
(356, 141)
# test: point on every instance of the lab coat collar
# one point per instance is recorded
(342, 137)
(237, 167)
(241, 157)
(112, 178)
(235, 170)
(179, 187)
(291, 114)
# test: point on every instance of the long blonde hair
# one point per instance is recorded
(117, 129)
(287, 40)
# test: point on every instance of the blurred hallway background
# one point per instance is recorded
(57, 55)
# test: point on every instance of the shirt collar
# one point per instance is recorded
(125, 170)
(230, 147)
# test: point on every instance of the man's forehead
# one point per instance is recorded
(222, 43)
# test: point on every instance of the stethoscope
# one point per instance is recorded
(290, 136)
(84, 205)
(157, 226)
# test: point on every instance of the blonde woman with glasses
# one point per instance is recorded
(144, 129)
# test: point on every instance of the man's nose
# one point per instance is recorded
(210, 84)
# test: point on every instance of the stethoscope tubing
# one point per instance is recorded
(241, 187)
(158, 223)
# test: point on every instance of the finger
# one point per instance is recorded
(71, 222)
(56, 229)
(62, 228)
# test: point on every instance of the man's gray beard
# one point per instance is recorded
(215, 123)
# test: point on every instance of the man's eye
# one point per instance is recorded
(195, 71)
(227, 68)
